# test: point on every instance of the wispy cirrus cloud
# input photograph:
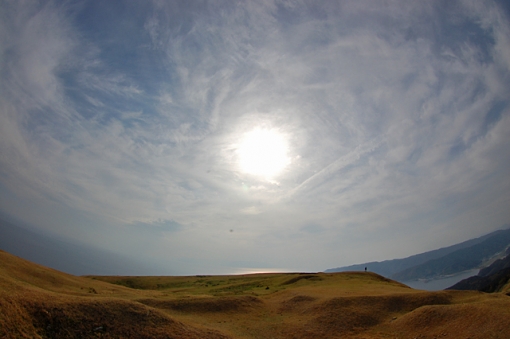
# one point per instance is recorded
(396, 116)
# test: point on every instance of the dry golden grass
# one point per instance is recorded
(37, 302)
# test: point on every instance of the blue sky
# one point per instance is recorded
(124, 125)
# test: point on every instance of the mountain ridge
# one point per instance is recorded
(494, 278)
(457, 261)
(440, 262)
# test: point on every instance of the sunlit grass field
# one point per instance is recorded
(260, 284)
(38, 302)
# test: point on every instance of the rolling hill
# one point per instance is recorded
(38, 302)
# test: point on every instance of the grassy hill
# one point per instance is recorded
(37, 302)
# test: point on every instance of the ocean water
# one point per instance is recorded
(442, 283)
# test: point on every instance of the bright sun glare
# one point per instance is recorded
(263, 152)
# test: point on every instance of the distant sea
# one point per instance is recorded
(441, 283)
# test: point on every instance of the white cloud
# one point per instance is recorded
(395, 114)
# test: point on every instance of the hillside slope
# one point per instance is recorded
(448, 260)
(496, 266)
(458, 261)
(494, 278)
(37, 302)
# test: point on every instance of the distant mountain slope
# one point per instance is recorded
(389, 268)
(490, 279)
(498, 265)
(458, 261)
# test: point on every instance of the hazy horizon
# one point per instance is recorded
(217, 137)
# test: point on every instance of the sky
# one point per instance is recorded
(218, 137)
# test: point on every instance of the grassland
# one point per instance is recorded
(37, 302)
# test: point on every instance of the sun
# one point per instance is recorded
(263, 152)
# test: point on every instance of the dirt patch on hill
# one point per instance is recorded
(207, 305)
